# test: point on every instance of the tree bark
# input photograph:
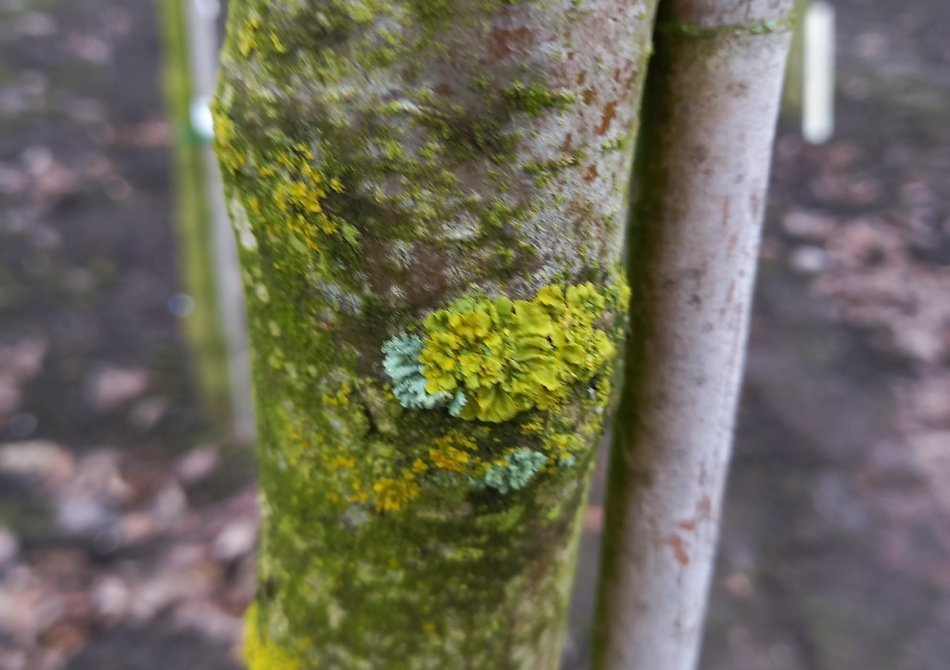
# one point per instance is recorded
(429, 199)
(701, 175)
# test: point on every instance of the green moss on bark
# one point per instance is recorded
(535, 98)
(369, 194)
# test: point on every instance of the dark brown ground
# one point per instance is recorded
(126, 533)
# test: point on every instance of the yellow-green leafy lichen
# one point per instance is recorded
(514, 471)
(499, 357)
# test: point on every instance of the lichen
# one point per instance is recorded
(259, 652)
(247, 36)
(514, 471)
(453, 452)
(392, 493)
(502, 356)
(401, 363)
(545, 171)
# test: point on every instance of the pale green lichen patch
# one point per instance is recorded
(401, 363)
(514, 471)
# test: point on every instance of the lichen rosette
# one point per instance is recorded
(495, 358)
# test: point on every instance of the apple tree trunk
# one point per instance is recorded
(429, 198)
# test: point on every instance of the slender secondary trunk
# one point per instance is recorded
(701, 175)
(429, 198)
(193, 215)
(203, 47)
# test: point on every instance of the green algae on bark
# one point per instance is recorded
(383, 162)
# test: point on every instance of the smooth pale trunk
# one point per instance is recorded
(701, 175)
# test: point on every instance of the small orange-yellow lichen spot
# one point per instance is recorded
(449, 452)
(392, 493)
(449, 458)
(419, 466)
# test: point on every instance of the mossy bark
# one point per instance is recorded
(702, 170)
(387, 161)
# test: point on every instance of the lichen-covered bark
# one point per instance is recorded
(702, 171)
(429, 196)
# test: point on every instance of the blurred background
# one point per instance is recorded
(127, 505)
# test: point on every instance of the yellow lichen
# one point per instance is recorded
(394, 492)
(342, 462)
(279, 46)
(293, 187)
(419, 466)
(299, 191)
(449, 458)
(564, 447)
(229, 154)
(247, 36)
(261, 653)
(451, 452)
(508, 356)
(340, 399)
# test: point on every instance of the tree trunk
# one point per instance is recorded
(204, 51)
(701, 175)
(193, 215)
(429, 197)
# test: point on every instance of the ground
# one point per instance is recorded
(127, 529)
